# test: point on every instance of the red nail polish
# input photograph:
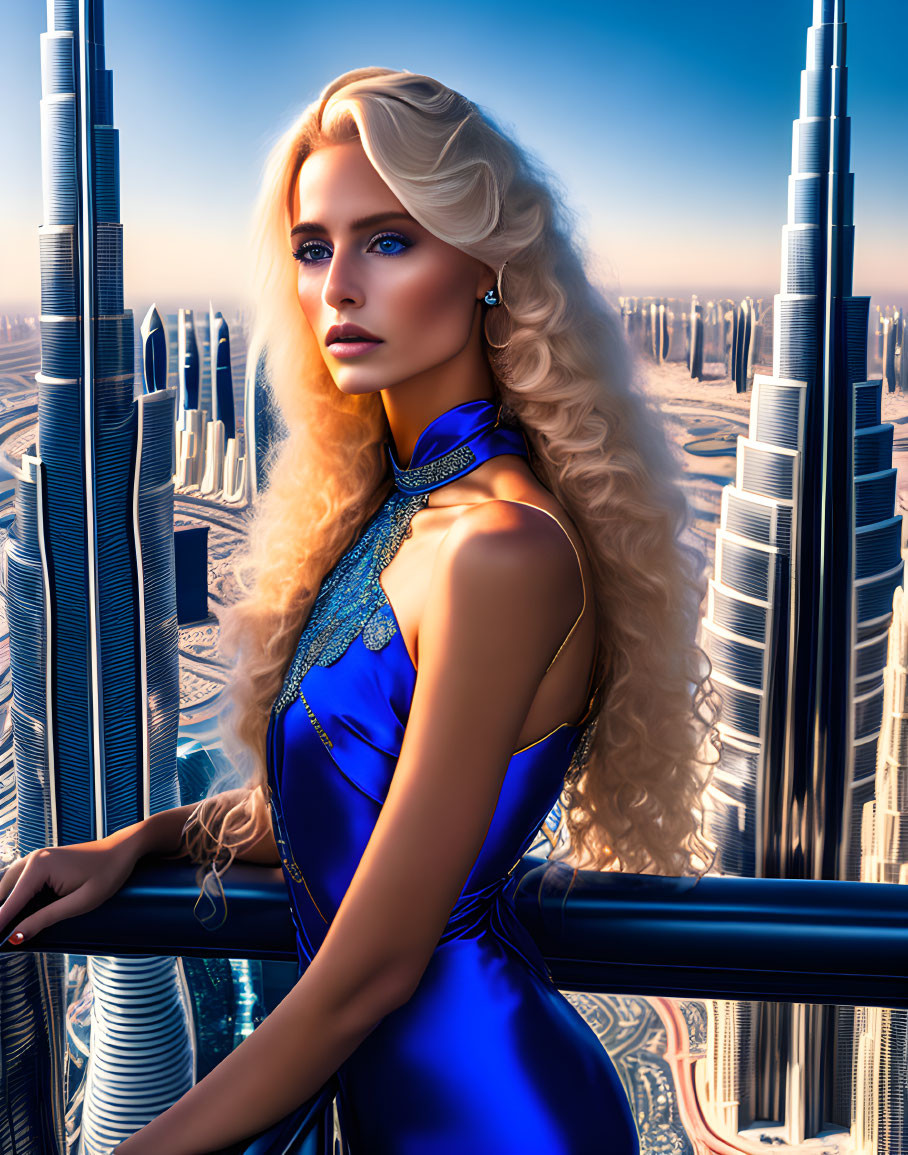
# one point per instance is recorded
(16, 938)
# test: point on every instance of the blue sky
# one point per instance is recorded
(667, 122)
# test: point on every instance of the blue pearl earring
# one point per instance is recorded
(492, 298)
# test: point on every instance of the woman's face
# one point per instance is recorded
(386, 299)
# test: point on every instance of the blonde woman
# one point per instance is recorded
(464, 596)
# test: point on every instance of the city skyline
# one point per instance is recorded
(697, 94)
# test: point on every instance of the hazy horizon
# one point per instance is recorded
(230, 307)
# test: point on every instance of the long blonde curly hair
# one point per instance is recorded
(562, 366)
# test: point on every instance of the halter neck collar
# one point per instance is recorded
(454, 444)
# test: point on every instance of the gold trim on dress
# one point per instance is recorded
(315, 722)
(575, 725)
(294, 871)
(560, 726)
(570, 632)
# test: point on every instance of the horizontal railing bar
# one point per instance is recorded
(744, 938)
(770, 939)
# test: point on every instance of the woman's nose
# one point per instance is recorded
(342, 285)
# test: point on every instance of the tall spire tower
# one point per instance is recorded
(93, 644)
(807, 562)
(90, 581)
(847, 561)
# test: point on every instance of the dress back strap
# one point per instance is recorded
(577, 620)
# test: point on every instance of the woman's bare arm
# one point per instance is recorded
(85, 874)
(499, 604)
(161, 833)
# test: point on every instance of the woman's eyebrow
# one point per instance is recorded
(361, 223)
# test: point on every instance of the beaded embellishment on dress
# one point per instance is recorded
(351, 600)
(442, 469)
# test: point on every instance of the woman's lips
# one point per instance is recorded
(344, 349)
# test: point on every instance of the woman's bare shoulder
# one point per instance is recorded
(503, 545)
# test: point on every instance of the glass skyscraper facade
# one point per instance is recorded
(93, 632)
(808, 558)
(91, 593)
(808, 547)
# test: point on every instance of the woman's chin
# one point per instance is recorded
(353, 384)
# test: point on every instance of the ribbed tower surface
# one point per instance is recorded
(93, 634)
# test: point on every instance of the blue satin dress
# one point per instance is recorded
(487, 1057)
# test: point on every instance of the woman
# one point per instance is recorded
(464, 446)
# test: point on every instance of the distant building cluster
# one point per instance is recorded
(16, 328)
(890, 348)
(739, 337)
(207, 457)
(734, 336)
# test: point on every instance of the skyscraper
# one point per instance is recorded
(880, 1075)
(192, 419)
(807, 561)
(90, 570)
(92, 583)
(224, 468)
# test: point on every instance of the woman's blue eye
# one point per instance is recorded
(390, 244)
(308, 253)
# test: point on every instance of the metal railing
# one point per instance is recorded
(736, 938)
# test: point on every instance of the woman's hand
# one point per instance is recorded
(82, 876)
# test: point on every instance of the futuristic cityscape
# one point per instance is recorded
(785, 413)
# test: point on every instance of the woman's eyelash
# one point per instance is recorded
(391, 237)
(301, 251)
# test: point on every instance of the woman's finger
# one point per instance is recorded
(32, 877)
(71, 904)
(9, 876)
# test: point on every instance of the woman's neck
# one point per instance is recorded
(412, 404)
